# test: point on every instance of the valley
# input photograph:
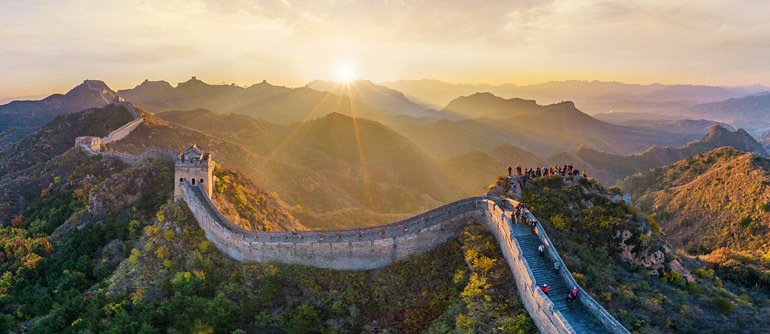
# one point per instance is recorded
(343, 170)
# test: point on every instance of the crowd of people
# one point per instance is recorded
(525, 174)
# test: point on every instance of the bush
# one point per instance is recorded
(723, 304)
(559, 222)
(654, 227)
(303, 319)
(704, 273)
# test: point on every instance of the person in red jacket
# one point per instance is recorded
(574, 293)
(546, 288)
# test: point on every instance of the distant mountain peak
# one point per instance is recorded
(488, 105)
(193, 82)
(738, 139)
(715, 132)
(89, 86)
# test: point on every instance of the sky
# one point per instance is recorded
(51, 46)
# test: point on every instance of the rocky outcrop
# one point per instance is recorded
(651, 257)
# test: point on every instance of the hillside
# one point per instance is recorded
(611, 167)
(59, 135)
(471, 171)
(250, 207)
(329, 164)
(263, 100)
(622, 258)
(715, 205)
(20, 118)
(261, 136)
(357, 147)
(547, 130)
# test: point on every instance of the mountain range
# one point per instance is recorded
(750, 111)
(392, 148)
(93, 244)
(264, 101)
(593, 96)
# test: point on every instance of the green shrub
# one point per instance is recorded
(704, 273)
(723, 304)
(559, 222)
(303, 319)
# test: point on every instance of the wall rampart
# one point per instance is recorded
(374, 247)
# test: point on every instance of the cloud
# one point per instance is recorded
(300, 40)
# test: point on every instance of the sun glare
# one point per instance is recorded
(346, 72)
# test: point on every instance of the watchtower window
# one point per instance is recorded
(193, 181)
(201, 181)
(181, 179)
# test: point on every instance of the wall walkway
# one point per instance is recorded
(374, 247)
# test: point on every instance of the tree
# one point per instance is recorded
(304, 319)
(17, 221)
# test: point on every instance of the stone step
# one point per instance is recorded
(541, 267)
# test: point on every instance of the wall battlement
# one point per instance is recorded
(374, 247)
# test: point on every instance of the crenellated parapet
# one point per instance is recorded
(378, 246)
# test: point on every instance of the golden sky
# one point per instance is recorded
(50, 46)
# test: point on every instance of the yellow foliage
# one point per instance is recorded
(138, 296)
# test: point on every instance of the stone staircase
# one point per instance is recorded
(581, 320)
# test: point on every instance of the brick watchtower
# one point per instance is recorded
(195, 167)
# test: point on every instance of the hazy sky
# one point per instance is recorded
(50, 46)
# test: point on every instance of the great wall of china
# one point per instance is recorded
(375, 247)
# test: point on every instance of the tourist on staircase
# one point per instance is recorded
(545, 288)
(541, 249)
(556, 266)
(569, 300)
(574, 293)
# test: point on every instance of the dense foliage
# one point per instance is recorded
(248, 206)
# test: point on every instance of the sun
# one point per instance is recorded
(346, 72)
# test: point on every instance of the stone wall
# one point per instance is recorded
(133, 160)
(374, 247)
(538, 305)
(123, 131)
(351, 249)
(94, 144)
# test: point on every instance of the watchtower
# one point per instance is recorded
(196, 167)
(89, 142)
